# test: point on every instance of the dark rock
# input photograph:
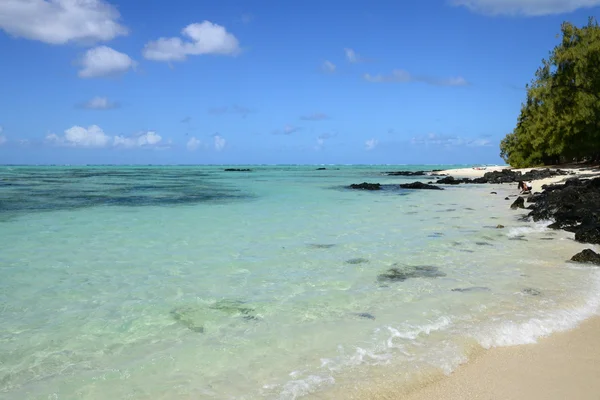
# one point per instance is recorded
(237, 169)
(472, 289)
(507, 198)
(574, 206)
(449, 180)
(357, 261)
(587, 256)
(321, 169)
(419, 185)
(531, 291)
(493, 193)
(483, 244)
(400, 274)
(518, 203)
(366, 186)
(499, 226)
(534, 197)
(588, 234)
(406, 173)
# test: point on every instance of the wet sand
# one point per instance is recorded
(563, 366)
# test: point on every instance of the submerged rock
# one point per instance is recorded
(365, 315)
(499, 226)
(195, 317)
(531, 291)
(472, 289)
(357, 261)
(400, 274)
(320, 246)
(420, 185)
(191, 317)
(237, 170)
(587, 256)
(366, 186)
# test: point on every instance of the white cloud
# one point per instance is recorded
(193, 144)
(351, 56)
(61, 21)
(100, 103)
(141, 140)
(219, 142)
(401, 76)
(206, 38)
(320, 143)
(524, 7)
(94, 137)
(104, 61)
(371, 144)
(449, 140)
(236, 109)
(328, 66)
(77, 136)
(287, 130)
(314, 117)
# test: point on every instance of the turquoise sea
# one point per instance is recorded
(279, 283)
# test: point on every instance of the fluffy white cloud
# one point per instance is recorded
(328, 66)
(77, 136)
(205, 38)
(100, 103)
(61, 21)
(371, 144)
(142, 139)
(104, 61)
(401, 76)
(314, 117)
(524, 7)
(94, 137)
(220, 142)
(193, 144)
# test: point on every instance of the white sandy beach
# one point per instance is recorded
(565, 365)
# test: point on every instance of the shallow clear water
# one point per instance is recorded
(192, 282)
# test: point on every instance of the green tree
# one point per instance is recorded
(560, 119)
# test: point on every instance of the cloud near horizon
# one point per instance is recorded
(193, 144)
(204, 38)
(450, 140)
(530, 8)
(103, 61)
(59, 22)
(94, 137)
(401, 76)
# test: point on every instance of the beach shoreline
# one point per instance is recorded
(564, 364)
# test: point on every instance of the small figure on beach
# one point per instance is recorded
(525, 187)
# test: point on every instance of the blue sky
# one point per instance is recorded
(184, 81)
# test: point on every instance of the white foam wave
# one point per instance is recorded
(301, 387)
(510, 333)
(537, 227)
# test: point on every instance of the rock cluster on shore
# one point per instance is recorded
(505, 176)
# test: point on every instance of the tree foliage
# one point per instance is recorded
(560, 119)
